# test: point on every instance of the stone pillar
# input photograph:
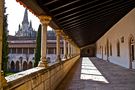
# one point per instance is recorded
(3, 81)
(45, 21)
(58, 45)
(65, 48)
(69, 49)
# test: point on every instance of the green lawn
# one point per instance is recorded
(9, 73)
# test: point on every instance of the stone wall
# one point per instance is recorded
(120, 32)
(40, 78)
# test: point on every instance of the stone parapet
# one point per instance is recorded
(40, 78)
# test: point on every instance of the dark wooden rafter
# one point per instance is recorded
(85, 10)
(48, 3)
(102, 9)
(69, 10)
(94, 18)
(64, 5)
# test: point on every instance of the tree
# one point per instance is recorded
(38, 47)
(5, 43)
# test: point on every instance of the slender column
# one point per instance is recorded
(71, 51)
(69, 48)
(58, 45)
(45, 21)
(3, 82)
(65, 48)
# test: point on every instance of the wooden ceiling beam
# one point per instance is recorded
(106, 8)
(95, 15)
(85, 9)
(64, 5)
(69, 10)
(94, 19)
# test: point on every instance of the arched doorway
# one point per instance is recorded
(24, 65)
(131, 51)
(30, 65)
(107, 50)
(12, 66)
(17, 66)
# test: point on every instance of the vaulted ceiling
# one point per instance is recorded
(85, 21)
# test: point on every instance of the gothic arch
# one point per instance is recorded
(24, 65)
(107, 49)
(30, 65)
(118, 48)
(131, 50)
(17, 66)
(12, 66)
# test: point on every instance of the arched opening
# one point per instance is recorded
(118, 48)
(30, 65)
(12, 66)
(131, 51)
(107, 49)
(17, 66)
(24, 65)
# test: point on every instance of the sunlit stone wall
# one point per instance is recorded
(120, 32)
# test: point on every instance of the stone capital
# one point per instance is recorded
(58, 32)
(45, 19)
(65, 38)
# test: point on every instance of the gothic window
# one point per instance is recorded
(12, 66)
(25, 51)
(24, 65)
(118, 48)
(17, 66)
(30, 65)
(132, 48)
(31, 50)
(110, 49)
(19, 51)
(50, 50)
(14, 50)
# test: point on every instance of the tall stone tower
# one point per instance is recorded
(26, 29)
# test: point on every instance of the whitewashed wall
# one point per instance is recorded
(124, 28)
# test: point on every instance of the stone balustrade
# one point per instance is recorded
(40, 78)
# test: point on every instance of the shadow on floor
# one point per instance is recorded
(97, 74)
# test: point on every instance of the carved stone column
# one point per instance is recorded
(69, 48)
(3, 81)
(45, 21)
(58, 45)
(65, 47)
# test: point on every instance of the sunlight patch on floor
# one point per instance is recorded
(90, 72)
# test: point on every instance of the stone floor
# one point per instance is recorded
(97, 74)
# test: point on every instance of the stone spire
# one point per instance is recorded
(19, 27)
(25, 18)
(30, 24)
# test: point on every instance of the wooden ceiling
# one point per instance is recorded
(85, 21)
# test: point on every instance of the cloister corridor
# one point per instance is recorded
(96, 74)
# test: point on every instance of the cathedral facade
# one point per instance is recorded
(26, 29)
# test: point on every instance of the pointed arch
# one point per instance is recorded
(110, 49)
(30, 65)
(12, 66)
(24, 65)
(131, 50)
(17, 66)
(118, 48)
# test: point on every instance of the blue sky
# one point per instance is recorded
(15, 13)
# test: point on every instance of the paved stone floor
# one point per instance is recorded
(97, 74)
